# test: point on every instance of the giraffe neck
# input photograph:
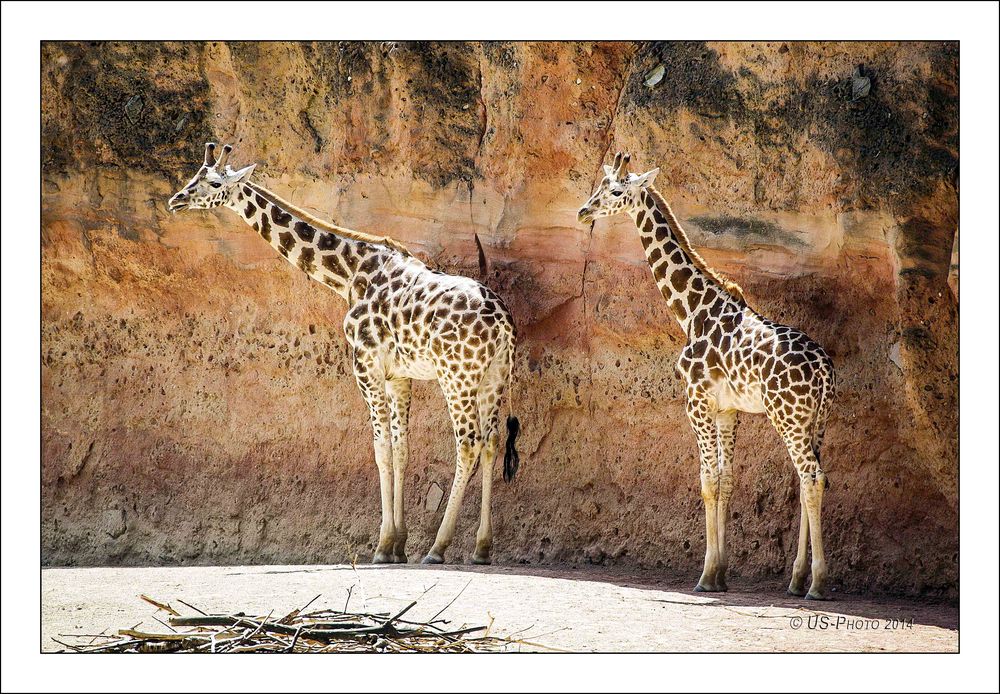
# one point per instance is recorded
(681, 275)
(323, 254)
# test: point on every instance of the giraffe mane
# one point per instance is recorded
(682, 240)
(327, 226)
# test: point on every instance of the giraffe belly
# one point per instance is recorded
(421, 369)
(741, 398)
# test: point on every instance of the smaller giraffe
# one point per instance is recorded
(735, 360)
(404, 321)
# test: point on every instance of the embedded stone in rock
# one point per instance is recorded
(114, 523)
(654, 76)
(894, 356)
(434, 496)
(860, 85)
(133, 108)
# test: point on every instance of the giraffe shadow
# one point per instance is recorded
(754, 598)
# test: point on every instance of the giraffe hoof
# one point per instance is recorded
(817, 596)
(399, 559)
(482, 561)
(432, 559)
(705, 589)
(382, 558)
(796, 592)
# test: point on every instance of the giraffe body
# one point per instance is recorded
(405, 321)
(735, 360)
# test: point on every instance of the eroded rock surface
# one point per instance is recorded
(198, 405)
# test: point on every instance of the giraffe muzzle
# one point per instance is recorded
(585, 215)
(178, 202)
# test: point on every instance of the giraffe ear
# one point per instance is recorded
(242, 174)
(609, 171)
(647, 178)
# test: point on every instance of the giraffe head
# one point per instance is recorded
(617, 192)
(213, 185)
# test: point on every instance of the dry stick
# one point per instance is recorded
(401, 613)
(77, 649)
(97, 636)
(295, 639)
(549, 633)
(160, 605)
(296, 612)
(191, 606)
(164, 623)
(325, 635)
(361, 585)
(450, 602)
(161, 637)
(260, 626)
(348, 601)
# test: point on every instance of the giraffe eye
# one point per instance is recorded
(215, 184)
(617, 193)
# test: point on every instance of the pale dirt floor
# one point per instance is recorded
(576, 609)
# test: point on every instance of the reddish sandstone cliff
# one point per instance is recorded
(197, 401)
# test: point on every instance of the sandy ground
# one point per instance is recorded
(577, 609)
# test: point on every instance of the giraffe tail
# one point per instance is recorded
(511, 459)
(819, 424)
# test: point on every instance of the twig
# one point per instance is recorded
(296, 612)
(451, 601)
(161, 606)
(164, 623)
(295, 639)
(191, 606)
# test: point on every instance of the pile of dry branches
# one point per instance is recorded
(320, 631)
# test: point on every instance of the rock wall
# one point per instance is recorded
(197, 400)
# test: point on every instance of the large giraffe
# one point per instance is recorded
(404, 321)
(735, 360)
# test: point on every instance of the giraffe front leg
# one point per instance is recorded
(725, 427)
(710, 495)
(387, 531)
(702, 417)
(373, 388)
(399, 410)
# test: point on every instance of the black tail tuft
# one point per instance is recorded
(511, 460)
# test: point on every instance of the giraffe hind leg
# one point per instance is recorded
(490, 396)
(814, 503)
(812, 484)
(468, 448)
(800, 569)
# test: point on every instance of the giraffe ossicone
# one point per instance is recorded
(404, 321)
(735, 360)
